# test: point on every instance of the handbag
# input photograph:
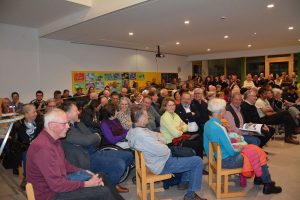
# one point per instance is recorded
(178, 141)
(179, 151)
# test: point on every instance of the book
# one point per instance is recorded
(252, 127)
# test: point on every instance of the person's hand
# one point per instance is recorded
(94, 181)
(193, 113)
(266, 128)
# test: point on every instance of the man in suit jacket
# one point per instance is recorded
(80, 148)
(189, 114)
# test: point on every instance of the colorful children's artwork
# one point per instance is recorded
(89, 84)
(132, 76)
(99, 77)
(79, 85)
(140, 76)
(117, 76)
(125, 75)
(78, 77)
(99, 85)
(109, 77)
(89, 77)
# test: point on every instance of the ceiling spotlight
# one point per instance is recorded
(270, 6)
(291, 28)
(208, 49)
(223, 18)
(186, 22)
(130, 33)
(249, 45)
(299, 40)
(177, 43)
(255, 33)
(226, 36)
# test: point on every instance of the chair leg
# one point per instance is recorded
(144, 191)
(219, 182)
(152, 197)
(226, 184)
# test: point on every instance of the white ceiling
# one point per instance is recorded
(162, 22)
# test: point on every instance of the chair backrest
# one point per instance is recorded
(29, 191)
(215, 154)
(140, 164)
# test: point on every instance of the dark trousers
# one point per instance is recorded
(106, 192)
(196, 144)
(266, 136)
(284, 118)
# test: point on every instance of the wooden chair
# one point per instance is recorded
(29, 191)
(144, 177)
(216, 172)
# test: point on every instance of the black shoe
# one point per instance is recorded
(258, 181)
(204, 172)
(291, 140)
(270, 188)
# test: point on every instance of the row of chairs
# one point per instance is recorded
(218, 178)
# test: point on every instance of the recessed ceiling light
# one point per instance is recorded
(270, 6)
(291, 28)
(223, 17)
(177, 43)
(226, 36)
(299, 40)
(255, 33)
(186, 22)
(130, 33)
(208, 49)
(249, 45)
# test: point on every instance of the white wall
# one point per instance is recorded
(28, 63)
(19, 69)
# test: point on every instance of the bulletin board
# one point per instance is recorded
(100, 79)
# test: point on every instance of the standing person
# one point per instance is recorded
(24, 132)
(39, 103)
(215, 132)
(48, 170)
(16, 104)
(158, 156)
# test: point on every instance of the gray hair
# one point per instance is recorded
(26, 108)
(128, 101)
(137, 114)
(52, 116)
(276, 91)
(216, 105)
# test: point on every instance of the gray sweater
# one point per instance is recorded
(152, 144)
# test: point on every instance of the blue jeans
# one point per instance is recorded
(111, 162)
(238, 161)
(252, 140)
(190, 167)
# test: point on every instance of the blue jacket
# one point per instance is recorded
(215, 132)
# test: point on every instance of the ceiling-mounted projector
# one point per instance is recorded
(159, 54)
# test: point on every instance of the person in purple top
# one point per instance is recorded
(111, 127)
(48, 170)
(81, 145)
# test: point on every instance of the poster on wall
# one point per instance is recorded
(100, 79)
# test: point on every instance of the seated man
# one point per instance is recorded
(80, 149)
(154, 116)
(158, 156)
(236, 120)
(268, 116)
(47, 168)
(39, 103)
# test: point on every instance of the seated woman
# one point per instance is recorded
(24, 132)
(90, 116)
(215, 132)
(111, 128)
(173, 128)
(124, 113)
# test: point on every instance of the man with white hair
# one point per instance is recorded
(48, 170)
